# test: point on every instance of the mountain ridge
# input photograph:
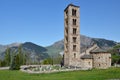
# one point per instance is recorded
(86, 41)
(58, 47)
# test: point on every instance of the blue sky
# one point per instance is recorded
(42, 21)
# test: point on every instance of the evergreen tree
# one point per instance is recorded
(20, 54)
(3, 63)
(15, 64)
(17, 60)
(7, 57)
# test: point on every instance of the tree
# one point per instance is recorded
(48, 61)
(2, 63)
(24, 59)
(45, 61)
(20, 54)
(7, 57)
(15, 64)
(17, 59)
(115, 59)
(115, 54)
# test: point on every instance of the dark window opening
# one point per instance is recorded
(99, 65)
(66, 22)
(73, 12)
(74, 55)
(74, 39)
(74, 30)
(74, 47)
(74, 21)
(66, 30)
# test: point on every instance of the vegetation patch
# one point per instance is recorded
(95, 74)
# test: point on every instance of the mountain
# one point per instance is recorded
(32, 51)
(13, 45)
(58, 46)
(4, 47)
(104, 43)
(35, 51)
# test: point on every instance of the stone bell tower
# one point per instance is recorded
(71, 35)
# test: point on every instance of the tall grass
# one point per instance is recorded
(95, 74)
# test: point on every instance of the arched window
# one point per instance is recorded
(74, 30)
(74, 39)
(74, 47)
(74, 21)
(74, 12)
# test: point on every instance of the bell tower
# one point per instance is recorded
(71, 35)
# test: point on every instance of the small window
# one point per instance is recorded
(74, 47)
(99, 65)
(73, 12)
(74, 55)
(74, 30)
(74, 21)
(74, 39)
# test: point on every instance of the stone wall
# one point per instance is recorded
(87, 63)
(71, 55)
(101, 60)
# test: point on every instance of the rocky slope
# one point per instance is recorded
(34, 50)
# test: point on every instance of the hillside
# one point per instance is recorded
(35, 51)
(32, 51)
(58, 46)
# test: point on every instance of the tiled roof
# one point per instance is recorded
(98, 50)
(86, 56)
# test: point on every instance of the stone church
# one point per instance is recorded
(92, 57)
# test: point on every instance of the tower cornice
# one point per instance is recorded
(71, 5)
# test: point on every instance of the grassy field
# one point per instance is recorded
(112, 73)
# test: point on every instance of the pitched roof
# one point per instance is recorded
(86, 56)
(98, 50)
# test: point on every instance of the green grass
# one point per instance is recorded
(112, 73)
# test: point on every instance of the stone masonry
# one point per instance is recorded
(71, 36)
(93, 57)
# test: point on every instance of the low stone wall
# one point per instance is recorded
(51, 71)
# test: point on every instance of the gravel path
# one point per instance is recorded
(4, 68)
